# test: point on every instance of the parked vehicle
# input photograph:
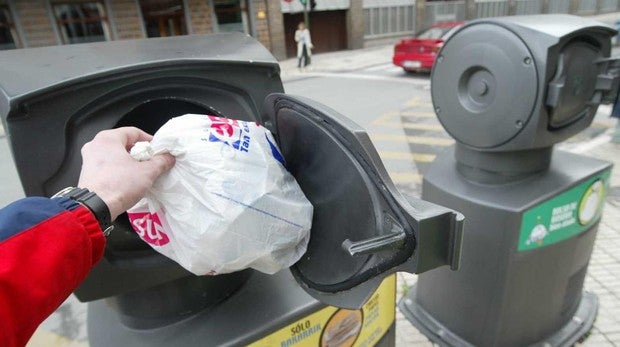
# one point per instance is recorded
(419, 53)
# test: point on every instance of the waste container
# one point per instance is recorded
(363, 229)
(508, 89)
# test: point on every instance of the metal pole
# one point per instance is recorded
(470, 9)
(574, 7)
(512, 7)
(545, 6)
(420, 15)
(306, 16)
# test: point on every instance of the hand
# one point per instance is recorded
(110, 172)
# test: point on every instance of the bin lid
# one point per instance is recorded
(359, 230)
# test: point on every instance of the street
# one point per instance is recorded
(399, 119)
(394, 107)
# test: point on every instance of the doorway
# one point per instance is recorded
(328, 31)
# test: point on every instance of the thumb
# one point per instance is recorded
(158, 164)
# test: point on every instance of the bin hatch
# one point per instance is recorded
(362, 228)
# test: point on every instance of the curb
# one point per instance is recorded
(596, 141)
(336, 63)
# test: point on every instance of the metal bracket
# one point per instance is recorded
(608, 82)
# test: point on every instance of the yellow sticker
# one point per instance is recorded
(331, 326)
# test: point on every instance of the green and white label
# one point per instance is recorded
(564, 216)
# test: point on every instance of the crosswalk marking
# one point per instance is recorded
(386, 66)
(417, 114)
(405, 177)
(403, 114)
(415, 102)
(422, 140)
(385, 117)
(421, 128)
(421, 157)
(415, 126)
(416, 82)
(46, 338)
(386, 120)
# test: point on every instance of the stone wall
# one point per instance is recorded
(36, 23)
(201, 16)
(126, 17)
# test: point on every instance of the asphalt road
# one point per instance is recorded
(393, 106)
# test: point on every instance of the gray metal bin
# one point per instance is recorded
(508, 89)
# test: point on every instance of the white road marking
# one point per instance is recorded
(406, 80)
(381, 67)
(584, 147)
(396, 155)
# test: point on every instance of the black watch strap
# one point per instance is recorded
(91, 201)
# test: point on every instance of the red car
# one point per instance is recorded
(420, 52)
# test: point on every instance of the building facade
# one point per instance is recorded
(334, 24)
(37, 23)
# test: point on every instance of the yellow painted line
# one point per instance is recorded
(405, 177)
(422, 140)
(417, 103)
(416, 126)
(421, 157)
(601, 124)
(420, 126)
(413, 102)
(385, 117)
(418, 114)
(388, 116)
(44, 338)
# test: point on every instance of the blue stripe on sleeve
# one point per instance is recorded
(25, 213)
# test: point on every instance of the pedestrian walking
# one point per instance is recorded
(304, 45)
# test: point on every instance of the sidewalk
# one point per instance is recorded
(603, 276)
(351, 60)
(341, 61)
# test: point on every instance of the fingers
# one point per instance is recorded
(127, 136)
(158, 164)
(132, 135)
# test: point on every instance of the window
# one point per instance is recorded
(163, 17)
(81, 22)
(8, 35)
(388, 20)
(231, 15)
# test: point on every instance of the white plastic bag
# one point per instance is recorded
(227, 204)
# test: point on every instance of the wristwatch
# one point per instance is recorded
(92, 202)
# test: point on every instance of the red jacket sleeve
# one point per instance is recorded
(47, 247)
